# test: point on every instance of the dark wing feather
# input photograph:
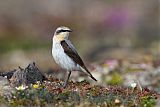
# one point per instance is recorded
(72, 53)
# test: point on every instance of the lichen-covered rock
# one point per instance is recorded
(18, 78)
(29, 75)
(33, 74)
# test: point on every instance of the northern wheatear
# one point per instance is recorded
(65, 54)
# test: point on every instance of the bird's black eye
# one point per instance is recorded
(59, 31)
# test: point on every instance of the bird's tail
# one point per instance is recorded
(93, 77)
(87, 71)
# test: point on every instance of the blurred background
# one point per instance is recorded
(123, 33)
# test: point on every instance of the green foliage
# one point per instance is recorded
(147, 101)
(116, 79)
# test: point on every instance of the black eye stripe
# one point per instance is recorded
(59, 31)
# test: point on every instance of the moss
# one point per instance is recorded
(147, 101)
(116, 79)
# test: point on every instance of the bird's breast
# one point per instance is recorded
(61, 58)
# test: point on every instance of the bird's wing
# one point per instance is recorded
(70, 50)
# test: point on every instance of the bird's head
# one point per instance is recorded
(62, 33)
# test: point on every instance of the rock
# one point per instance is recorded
(18, 78)
(8, 74)
(5, 89)
(29, 75)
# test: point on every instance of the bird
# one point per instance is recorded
(65, 54)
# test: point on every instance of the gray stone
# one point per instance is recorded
(29, 75)
(5, 89)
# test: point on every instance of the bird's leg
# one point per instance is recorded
(66, 81)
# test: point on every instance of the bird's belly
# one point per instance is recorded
(62, 59)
